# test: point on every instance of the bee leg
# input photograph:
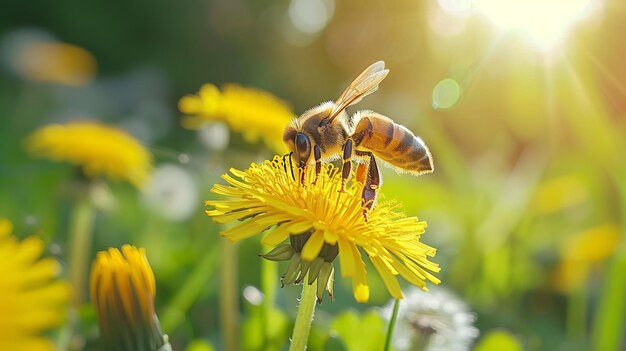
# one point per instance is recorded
(318, 161)
(347, 163)
(372, 181)
(302, 172)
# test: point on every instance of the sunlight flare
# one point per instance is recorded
(543, 23)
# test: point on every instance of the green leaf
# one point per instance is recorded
(499, 340)
(262, 335)
(360, 333)
(200, 345)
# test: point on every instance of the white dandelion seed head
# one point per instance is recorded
(214, 136)
(437, 315)
(172, 193)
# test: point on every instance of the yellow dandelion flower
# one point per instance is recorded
(31, 300)
(592, 245)
(322, 223)
(256, 114)
(99, 149)
(581, 252)
(55, 62)
(559, 193)
(123, 289)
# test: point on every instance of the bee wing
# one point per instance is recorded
(365, 84)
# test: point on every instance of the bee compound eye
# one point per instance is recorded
(302, 143)
(303, 146)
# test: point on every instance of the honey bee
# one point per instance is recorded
(327, 132)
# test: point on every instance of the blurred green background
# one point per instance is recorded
(522, 103)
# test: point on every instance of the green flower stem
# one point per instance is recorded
(392, 324)
(304, 318)
(229, 309)
(269, 279)
(81, 227)
(610, 316)
(577, 312)
(197, 280)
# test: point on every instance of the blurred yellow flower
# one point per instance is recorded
(31, 300)
(593, 245)
(581, 252)
(55, 62)
(122, 289)
(255, 114)
(99, 149)
(321, 223)
(559, 193)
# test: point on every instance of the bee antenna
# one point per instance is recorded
(285, 163)
(290, 164)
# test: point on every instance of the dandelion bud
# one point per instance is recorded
(122, 291)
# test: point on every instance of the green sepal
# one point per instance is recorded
(280, 253)
(292, 271)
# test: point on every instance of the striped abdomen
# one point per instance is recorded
(392, 143)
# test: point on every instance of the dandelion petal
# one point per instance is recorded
(313, 246)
